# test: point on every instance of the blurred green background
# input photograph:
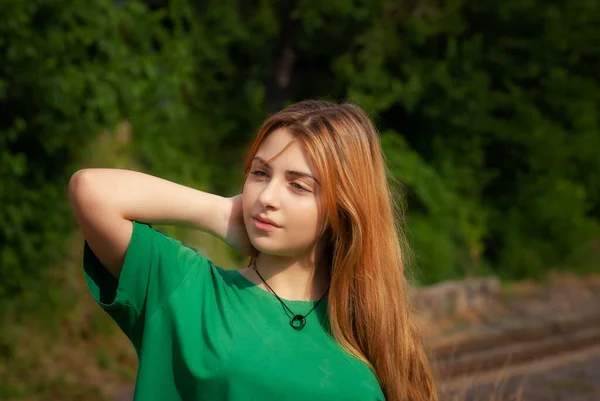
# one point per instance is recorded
(488, 113)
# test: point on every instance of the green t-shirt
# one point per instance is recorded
(205, 333)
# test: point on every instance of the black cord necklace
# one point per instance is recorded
(297, 321)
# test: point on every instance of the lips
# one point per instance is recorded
(266, 221)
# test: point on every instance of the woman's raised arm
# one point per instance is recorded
(106, 200)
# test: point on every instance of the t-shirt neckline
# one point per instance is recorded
(251, 286)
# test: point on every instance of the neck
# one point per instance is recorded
(292, 279)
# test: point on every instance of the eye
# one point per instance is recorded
(259, 173)
(299, 187)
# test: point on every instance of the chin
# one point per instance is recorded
(265, 245)
(270, 247)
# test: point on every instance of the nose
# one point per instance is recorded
(270, 196)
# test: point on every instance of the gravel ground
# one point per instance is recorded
(572, 377)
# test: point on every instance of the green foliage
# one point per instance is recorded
(446, 229)
(496, 106)
(69, 70)
(489, 111)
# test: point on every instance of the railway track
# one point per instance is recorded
(516, 346)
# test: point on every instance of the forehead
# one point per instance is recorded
(288, 153)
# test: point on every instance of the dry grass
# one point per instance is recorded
(503, 387)
(500, 392)
(73, 353)
(557, 377)
(66, 347)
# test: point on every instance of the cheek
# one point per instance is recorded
(250, 190)
(305, 219)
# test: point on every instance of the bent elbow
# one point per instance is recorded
(78, 183)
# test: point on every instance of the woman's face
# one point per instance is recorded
(284, 192)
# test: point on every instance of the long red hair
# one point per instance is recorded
(362, 242)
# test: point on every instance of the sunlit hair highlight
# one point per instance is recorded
(362, 242)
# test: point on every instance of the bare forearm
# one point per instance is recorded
(137, 196)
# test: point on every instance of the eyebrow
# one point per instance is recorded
(288, 172)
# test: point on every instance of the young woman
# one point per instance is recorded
(321, 313)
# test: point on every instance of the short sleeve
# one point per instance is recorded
(154, 266)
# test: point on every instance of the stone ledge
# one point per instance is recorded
(450, 298)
